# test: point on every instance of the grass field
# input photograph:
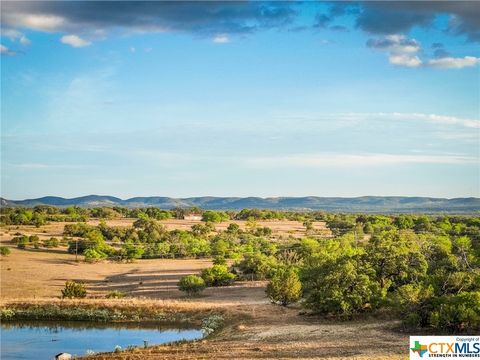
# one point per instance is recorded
(254, 328)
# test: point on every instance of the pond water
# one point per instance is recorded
(43, 340)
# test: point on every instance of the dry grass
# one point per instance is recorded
(280, 228)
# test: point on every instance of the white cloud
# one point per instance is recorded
(24, 40)
(401, 51)
(221, 39)
(11, 34)
(354, 118)
(36, 22)
(405, 60)
(75, 41)
(454, 63)
(6, 51)
(351, 160)
(15, 35)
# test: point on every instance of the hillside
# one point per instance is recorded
(389, 204)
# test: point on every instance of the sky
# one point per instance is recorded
(240, 99)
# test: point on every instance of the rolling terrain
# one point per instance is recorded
(369, 204)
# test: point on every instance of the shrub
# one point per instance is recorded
(285, 287)
(457, 312)
(74, 290)
(191, 284)
(51, 243)
(219, 260)
(115, 294)
(4, 251)
(218, 275)
(93, 255)
(257, 266)
(338, 286)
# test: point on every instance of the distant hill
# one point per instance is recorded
(370, 204)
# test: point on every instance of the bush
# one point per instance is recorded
(115, 294)
(457, 312)
(285, 287)
(191, 284)
(218, 275)
(338, 286)
(4, 251)
(74, 290)
(257, 266)
(51, 243)
(219, 260)
(93, 255)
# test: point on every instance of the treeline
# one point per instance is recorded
(41, 214)
(150, 239)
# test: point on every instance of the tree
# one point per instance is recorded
(396, 259)
(257, 266)
(217, 275)
(340, 286)
(285, 287)
(214, 216)
(191, 284)
(130, 252)
(308, 225)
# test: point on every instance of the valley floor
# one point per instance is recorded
(254, 328)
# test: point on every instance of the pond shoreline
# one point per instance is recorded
(134, 312)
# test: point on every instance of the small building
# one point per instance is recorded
(192, 217)
(63, 356)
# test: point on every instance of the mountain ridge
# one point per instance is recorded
(413, 204)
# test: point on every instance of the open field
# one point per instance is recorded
(280, 228)
(254, 328)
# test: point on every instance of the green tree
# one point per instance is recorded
(285, 287)
(341, 286)
(217, 275)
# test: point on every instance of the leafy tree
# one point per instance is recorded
(217, 275)
(396, 259)
(285, 287)
(191, 284)
(130, 252)
(233, 228)
(257, 266)
(214, 216)
(340, 286)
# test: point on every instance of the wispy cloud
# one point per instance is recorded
(221, 39)
(454, 62)
(6, 51)
(43, 166)
(74, 41)
(352, 160)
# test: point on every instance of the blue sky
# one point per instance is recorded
(240, 99)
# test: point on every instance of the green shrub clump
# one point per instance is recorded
(191, 284)
(285, 287)
(74, 290)
(115, 294)
(218, 275)
(4, 251)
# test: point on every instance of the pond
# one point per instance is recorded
(43, 340)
